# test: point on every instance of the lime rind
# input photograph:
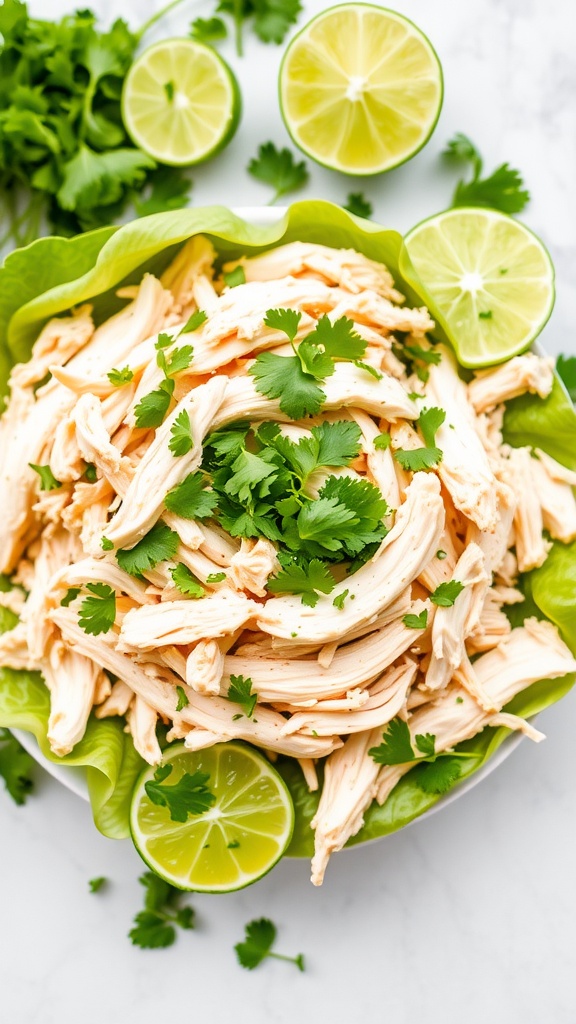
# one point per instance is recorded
(490, 322)
(201, 116)
(232, 845)
(404, 89)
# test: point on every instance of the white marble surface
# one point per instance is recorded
(469, 915)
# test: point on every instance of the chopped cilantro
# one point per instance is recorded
(416, 621)
(16, 767)
(186, 582)
(167, 189)
(183, 701)
(368, 369)
(396, 745)
(240, 692)
(152, 408)
(338, 601)
(98, 612)
(216, 577)
(48, 481)
(439, 776)
(441, 554)
(382, 441)
(120, 377)
(106, 544)
(502, 190)
(190, 499)
(294, 579)
(277, 168)
(235, 277)
(429, 422)
(189, 796)
(70, 595)
(90, 473)
(154, 926)
(259, 938)
(208, 30)
(282, 377)
(159, 545)
(178, 360)
(181, 440)
(96, 884)
(446, 594)
(194, 322)
(357, 204)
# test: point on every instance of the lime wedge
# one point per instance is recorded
(490, 278)
(180, 102)
(238, 840)
(360, 89)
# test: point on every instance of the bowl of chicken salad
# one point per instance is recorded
(250, 497)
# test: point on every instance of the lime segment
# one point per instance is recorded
(360, 89)
(490, 278)
(229, 846)
(181, 102)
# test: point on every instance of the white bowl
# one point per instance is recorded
(75, 778)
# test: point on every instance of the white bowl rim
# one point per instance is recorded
(74, 778)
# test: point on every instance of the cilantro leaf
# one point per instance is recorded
(396, 745)
(429, 422)
(566, 369)
(188, 796)
(120, 377)
(223, 446)
(48, 481)
(178, 360)
(159, 545)
(339, 600)
(339, 340)
(418, 459)
(96, 884)
(235, 277)
(276, 167)
(285, 320)
(439, 776)
(273, 18)
(240, 692)
(194, 322)
(425, 355)
(152, 408)
(181, 440)
(154, 926)
(248, 471)
(416, 621)
(446, 594)
(16, 767)
(183, 701)
(98, 612)
(338, 443)
(259, 938)
(294, 579)
(168, 188)
(357, 204)
(190, 498)
(426, 744)
(382, 441)
(282, 377)
(186, 582)
(70, 595)
(216, 577)
(502, 190)
(106, 544)
(208, 30)
(368, 369)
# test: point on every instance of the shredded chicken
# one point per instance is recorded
(199, 622)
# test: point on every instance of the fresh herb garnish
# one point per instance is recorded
(417, 459)
(216, 577)
(194, 322)
(190, 499)
(154, 926)
(96, 884)
(181, 440)
(240, 692)
(502, 190)
(445, 595)
(186, 582)
(309, 582)
(16, 767)
(234, 277)
(159, 545)
(70, 595)
(120, 377)
(152, 408)
(416, 621)
(98, 612)
(189, 796)
(182, 701)
(357, 204)
(259, 938)
(48, 481)
(277, 168)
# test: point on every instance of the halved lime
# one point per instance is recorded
(180, 102)
(491, 279)
(360, 89)
(229, 846)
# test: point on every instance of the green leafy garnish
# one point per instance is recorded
(423, 458)
(208, 30)
(189, 796)
(152, 408)
(96, 884)
(446, 594)
(48, 481)
(240, 692)
(502, 190)
(234, 277)
(357, 204)
(178, 360)
(285, 320)
(194, 322)
(339, 600)
(70, 595)
(309, 582)
(277, 167)
(120, 377)
(98, 612)
(16, 767)
(190, 499)
(259, 938)
(159, 545)
(90, 473)
(181, 440)
(183, 701)
(382, 441)
(416, 621)
(216, 577)
(439, 776)
(282, 377)
(154, 926)
(186, 582)
(485, 314)
(167, 188)
(106, 544)
(566, 369)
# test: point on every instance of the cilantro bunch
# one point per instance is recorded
(64, 154)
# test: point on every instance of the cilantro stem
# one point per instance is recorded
(238, 15)
(298, 960)
(155, 17)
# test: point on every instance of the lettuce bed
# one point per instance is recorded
(52, 274)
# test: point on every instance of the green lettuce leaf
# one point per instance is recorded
(51, 275)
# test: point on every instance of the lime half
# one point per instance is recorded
(360, 89)
(490, 278)
(180, 102)
(238, 840)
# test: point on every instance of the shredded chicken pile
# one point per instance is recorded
(328, 678)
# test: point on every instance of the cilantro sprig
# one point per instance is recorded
(48, 481)
(189, 796)
(260, 936)
(357, 204)
(98, 611)
(437, 770)
(16, 767)
(155, 926)
(240, 692)
(417, 459)
(160, 544)
(502, 190)
(278, 168)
